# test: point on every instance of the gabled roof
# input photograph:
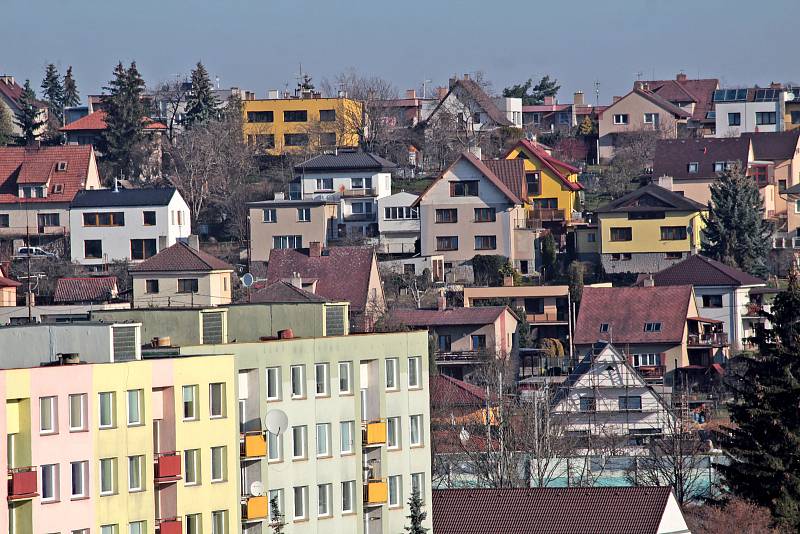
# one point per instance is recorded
(479, 315)
(512, 173)
(346, 160)
(700, 91)
(342, 273)
(447, 391)
(606, 510)
(653, 98)
(474, 91)
(651, 197)
(31, 165)
(626, 310)
(774, 146)
(672, 156)
(13, 91)
(548, 161)
(85, 289)
(697, 270)
(181, 257)
(97, 122)
(108, 198)
(284, 292)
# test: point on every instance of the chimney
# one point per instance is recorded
(441, 92)
(508, 281)
(285, 334)
(273, 94)
(296, 280)
(315, 249)
(616, 99)
(69, 358)
(411, 93)
(649, 282)
(452, 82)
(476, 151)
(549, 101)
(7, 79)
(466, 76)
(441, 302)
(577, 98)
(681, 77)
(193, 241)
(775, 85)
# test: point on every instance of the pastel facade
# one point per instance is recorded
(398, 223)
(290, 224)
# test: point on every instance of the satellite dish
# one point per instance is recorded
(247, 280)
(463, 435)
(257, 488)
(276, 422)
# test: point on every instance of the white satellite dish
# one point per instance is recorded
(257, 488)
(248, 280)
(463, 435)
(276, 422)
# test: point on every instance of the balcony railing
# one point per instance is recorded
(255, 507)
(548, 214)
(366, 192)
(22, 483)
(170, 525)
(752, 309)
(717, 339)
(167, 467)
(457, 356)
(358, 217)
(546, 317)
(253, 445)
(376, 491)
(373, 433)
(651, 371)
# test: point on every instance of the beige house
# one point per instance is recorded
(8, 290)
(290, 224)
(639, 110)
(181, 276)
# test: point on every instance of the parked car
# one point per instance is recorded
(34, 252)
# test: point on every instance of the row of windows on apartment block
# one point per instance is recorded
(668, 233)
(141, 249)
(301, 115)
(270, 215)
(297, 377)
(450, 242)
(625, 403)
(734, 118)
(290, 139)
(300, 497)
(95, 219)
(183, 285)
(135, 408)
(192, 525)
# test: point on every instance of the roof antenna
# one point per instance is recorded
(116, 184)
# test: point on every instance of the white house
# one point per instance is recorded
(356, 180)
(126, 224)
(398, 223)
(737, 111)
(474, 109)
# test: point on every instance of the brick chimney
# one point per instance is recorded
(549, 101)
(452, 82)
(775, 85)
(508, 281)
(315, 249)
(681, 77)
(441, 92)
(577, 98)
(411, 93)
(466, 76)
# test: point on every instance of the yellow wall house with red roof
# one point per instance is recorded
(552, 185)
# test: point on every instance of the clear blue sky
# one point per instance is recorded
(258, 44)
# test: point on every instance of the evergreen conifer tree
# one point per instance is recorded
(71, 95)
(415, 514)
(276, 521)
(763, 445)
(53, 94)
(549, 258)
(125, 113)
(201, 104)
(29, 119)
(6, 126)
(735, 231)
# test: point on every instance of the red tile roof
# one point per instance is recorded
(483, 100)
(181, 257)
(31, 165)
(13, 92)
(545, 107)
(85, 289)
(700, 91)
(511, 172)
(342, 273)
(478, 315)
(447, 391)
(549, 161)
(282, 291)
(97, 121)
(608, 510)
(697, 270)
(627, 309)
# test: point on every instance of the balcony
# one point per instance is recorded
(752, 309)
(171, 525)
(651, 372)
(548, 214)
(546, 317)
(255, 508)
(359, 217)
(253, 445)
(167, 467)
(463, 356)
(355, 193)
(376, 492)
(715, 339)
(373, 433)
(22, 483)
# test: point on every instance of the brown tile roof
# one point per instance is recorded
(448, 317)
(607, 510)
(30, 165)
(672, 156)
(342, 273)
(481, 98)
(282, 291)
(447, 391)
(85, 289)
(700, 91)
(550, 162)
(511, 172)
(13, 92)
(651, 197)
(627, 309)
(97, 121)
(181, 257)
(653, 98)
(697, 270)
(774, 146)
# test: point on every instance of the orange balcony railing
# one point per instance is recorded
(255, 507)
(253, 445)
(374, 433)
(376, 491)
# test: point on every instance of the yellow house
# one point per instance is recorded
(552, 185)
(302, 124)
(648, 230)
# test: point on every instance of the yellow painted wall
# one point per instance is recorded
(346, 126)
(551, 186)
(646, 234)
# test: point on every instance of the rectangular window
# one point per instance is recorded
(360, 208)
(274, 447)
(327, 139)
(719, 166)
(134, 407)
(77, 412)
(216, 400)
(108, 476)
(304, 214)
(345, 377)
(191, 466)
(712, 301)
(149, 218)
(534, 305)
(478, 342)
(348, 496)
(621, 234)
(327, 115)
(48, 410)
(188, 285)
(51, 219)
(646, 360)
(259, 116)
(323, 439)
(693, 167)
(299, 450)
(416, 430)
(673, 233)
(295, 116)
(190, 405)
(269, 215)
(80, 473)
(321, 382)
(464, 189)
(395, 491)
(287, 241)
(414, 371)
(219, 522)
(92, 249)
(324, 184)
(485, 242)
(298, 375)
(449, 215)
(4, 220)
(107, 218)
(760, 174)
(734, 119)
(135, 465)
(295, 139)
(591, 237)
(218, 464)
(273, 383)
(652, 327)
(485, 214)
(346, 437)
(108, 529)
(141, 249)
(444, 343)
(621, 118)
(393, 432)
(194, 523)
(50, 482)
(324, 492)
(651, 118)
(151, 286)
(533, 181)
(766, 117)
(360, 183)
(392, 382)
(588, 404)
(277, 495)
(137, 527)
(447, 243)
(630, 403)
(603, 328)
(300, 503)
(418, 485)
(107, 409)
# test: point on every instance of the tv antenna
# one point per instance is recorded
(597, 92)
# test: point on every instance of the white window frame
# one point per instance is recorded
(135, 463)
(196, 520)
(395, 483)
(194, 480)
(53, 487)
(52, 421)
(276, 372)
(112, 397)
(137, 527)
(81, 398)
(350, 426)
(219, 457)
(220, 387)
(394, 437)
(653, 118)
(269, 215)
(349, 493)
(274, 444)
(301, 369)
(322, 388)
(302, 491)
(416, 362)
(219, 517)
(621, 119)
(392, 374)
(324, 497)
(303, 214)
(324, 444)
(346, 371)
(415, 426)
(693, 167)
(195, 390)
(111, 464)
(83, 477)
(275, 492)
(644, 359)
(302, 432)
(138, 396)
(418, 482)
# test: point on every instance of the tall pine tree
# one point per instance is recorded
(123, 138)
(29, 118)
(201, 103)
(764, 444)
(736, 232)
(415, 514)
(53, 95)
(71, 95)
(6, 126)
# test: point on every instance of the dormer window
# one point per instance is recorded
(693, 167)
(31, 191)
(61, 166)
(603, 328)
(719, 166)
(58, 188)
(652, 327)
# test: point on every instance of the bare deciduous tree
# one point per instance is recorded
(168, 99)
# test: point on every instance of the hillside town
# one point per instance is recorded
(341, 305)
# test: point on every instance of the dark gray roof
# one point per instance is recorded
(345, 160)
(651, 198)
(108, 198)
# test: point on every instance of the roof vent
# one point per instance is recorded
(69, 358)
